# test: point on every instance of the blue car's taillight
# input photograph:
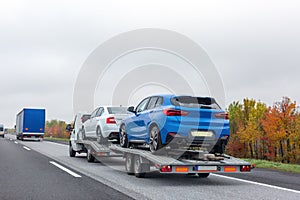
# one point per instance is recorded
(223, 115)
(173, 112)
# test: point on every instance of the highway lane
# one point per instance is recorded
(26, 174)
(160, 186)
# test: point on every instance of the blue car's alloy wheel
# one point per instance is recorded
(155, 140)
(123, 137)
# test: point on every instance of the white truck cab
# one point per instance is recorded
(76, 133)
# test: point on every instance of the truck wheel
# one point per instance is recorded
(155, 139)
(72, 153)
(203, 175)
(123, 137)
(129, 164)
(138, 168)
(90, 157)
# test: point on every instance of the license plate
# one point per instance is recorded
(206, 168)
(202, 133)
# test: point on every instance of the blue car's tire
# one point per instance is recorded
(123, 137)
(155, 139)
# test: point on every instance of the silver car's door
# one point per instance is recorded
(88, 123)
(94, 122)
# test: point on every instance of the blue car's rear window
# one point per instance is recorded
(195, 102)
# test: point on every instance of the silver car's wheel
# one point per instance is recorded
(155, 140)
(123, 137)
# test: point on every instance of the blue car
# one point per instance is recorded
(176, 120)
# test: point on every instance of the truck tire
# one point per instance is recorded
(72, 153)
(90, 158)
(203, 175)
(138, 167)
(129, 164)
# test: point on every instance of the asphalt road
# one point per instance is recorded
(26, 174)
(260, 184)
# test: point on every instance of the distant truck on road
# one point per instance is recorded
(1, 130)
(30, 124)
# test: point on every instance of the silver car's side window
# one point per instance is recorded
(100, 112)
(94, 113)
(142, 106)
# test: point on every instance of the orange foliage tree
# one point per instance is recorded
(265, 133)
(55, 128)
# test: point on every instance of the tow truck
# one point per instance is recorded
(140, 161)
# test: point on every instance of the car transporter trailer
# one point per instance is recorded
(139, 161)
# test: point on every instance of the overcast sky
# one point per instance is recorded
(255, 46)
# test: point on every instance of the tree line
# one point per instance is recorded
(56, 128)
(261, 132)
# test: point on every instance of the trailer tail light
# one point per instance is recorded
(223, 115)
(166, 168)
(110, 120)
(229, 169)
(182, 169)
(245, 168)
(173, 112)
(26, 129)
(41, 129)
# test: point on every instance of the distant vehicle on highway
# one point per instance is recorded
(30, 124)
(103, 123)
(158, 120)
(2, 130)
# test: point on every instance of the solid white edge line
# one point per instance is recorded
(16, 142)
(65, 169)
(257, 183)
(26, 148)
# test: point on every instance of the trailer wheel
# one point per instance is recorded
(138, 167)
(155, 139)
(123, 137)
(203, 175)
(129, 164)
(72, 153)
(89, 156)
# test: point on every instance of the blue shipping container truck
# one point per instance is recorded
(30, 124)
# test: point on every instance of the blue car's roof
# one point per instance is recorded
(173, 95)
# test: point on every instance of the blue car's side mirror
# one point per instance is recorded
(131, 109)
